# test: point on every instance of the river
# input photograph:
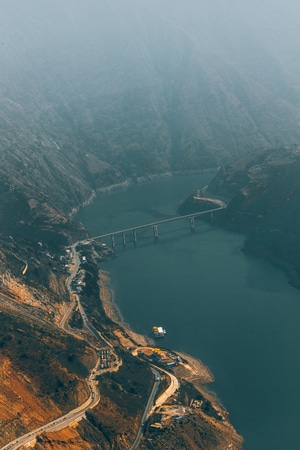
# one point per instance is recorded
(236, 313)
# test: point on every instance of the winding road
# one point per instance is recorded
(147, 409)
(171, 389)
(94, 397)
(62, 422)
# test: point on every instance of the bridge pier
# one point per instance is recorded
(192, 223)
(155, 232)
(154, 225)
(113, 241)
(134, 236)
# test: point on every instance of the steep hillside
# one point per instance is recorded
(263, 190)
(99, 92)
(42, 375)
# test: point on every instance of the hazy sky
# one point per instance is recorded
(219, 64)
(62, 36)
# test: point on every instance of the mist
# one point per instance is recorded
(99, 94)
(149, 86)
(60, 37)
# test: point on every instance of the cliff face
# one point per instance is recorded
(263, 191)
(94, 94)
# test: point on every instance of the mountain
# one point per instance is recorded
(99, 93)
(94, 94)
(263, 193)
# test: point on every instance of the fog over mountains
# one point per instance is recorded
(94, 92)
(99, 92)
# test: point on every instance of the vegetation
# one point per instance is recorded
(124, 395)
(42, 375)
(52, 360)
(131, 105)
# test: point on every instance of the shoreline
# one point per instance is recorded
(113, 312)
(200, 374)
(138, 180)
(153, 177)
(189, 370)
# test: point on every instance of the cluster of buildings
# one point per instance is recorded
(161, 357)
(105, 359)
(78, 281)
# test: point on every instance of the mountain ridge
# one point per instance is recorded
(84, 105)
(95, 95)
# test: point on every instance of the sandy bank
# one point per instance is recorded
(194, 370)
(112, 311)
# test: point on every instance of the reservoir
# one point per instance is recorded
(236, 313)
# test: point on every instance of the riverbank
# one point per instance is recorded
(192, 375)
(193, 369)
(217, 304)
(113, 313)
(154, 177)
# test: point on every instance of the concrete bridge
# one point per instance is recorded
(155, 226)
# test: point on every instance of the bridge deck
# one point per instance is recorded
(153, 224)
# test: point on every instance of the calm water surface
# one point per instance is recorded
(234, 312)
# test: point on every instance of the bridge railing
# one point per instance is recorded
(154, 225)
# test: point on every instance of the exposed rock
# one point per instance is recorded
(39, 380)
(83, 107)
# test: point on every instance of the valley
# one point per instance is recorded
(110, 342)
(108, 95)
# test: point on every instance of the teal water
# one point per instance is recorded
(236, 313)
